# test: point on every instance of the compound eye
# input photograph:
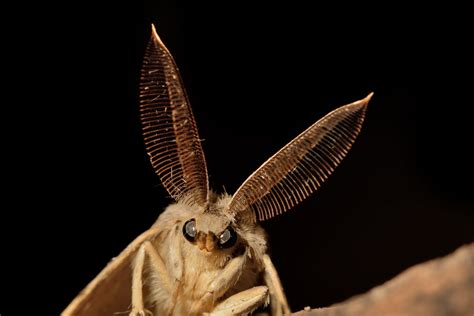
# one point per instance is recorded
(189, 230)
(228, 238)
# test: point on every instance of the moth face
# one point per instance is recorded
(210, 232)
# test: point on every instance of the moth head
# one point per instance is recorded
(209, 240)
(212, 230)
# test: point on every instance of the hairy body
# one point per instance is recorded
(193, 267)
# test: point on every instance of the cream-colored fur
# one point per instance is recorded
(200, 279)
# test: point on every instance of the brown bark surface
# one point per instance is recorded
(439, 287)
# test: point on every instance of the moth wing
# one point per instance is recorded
(110, 291)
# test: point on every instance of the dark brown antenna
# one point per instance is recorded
(169, 128)
(299, 168)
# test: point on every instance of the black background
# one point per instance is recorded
(81, 187)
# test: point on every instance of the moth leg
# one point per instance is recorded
(169, 289)
(137, 285)
(243, 302)
(147, 251)
(279, 304)
(221, 283)
(158, 266)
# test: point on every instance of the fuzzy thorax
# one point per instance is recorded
(195, 265)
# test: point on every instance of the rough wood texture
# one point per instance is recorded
(439, 287)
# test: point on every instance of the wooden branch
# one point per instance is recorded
(439, 287)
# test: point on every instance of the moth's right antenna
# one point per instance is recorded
(299, 168)
(169, 128)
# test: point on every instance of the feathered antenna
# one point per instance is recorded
(299, 168)
(169, 128)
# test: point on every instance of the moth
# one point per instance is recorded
(207, 253)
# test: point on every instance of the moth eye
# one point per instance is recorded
(189, 230)
(227, 238)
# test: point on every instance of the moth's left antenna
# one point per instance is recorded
(299, 168)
